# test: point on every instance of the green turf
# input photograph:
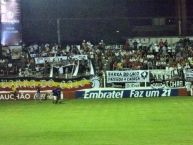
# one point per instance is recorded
(145, 121)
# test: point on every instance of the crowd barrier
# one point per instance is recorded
(46, 93)
(89, 88)
(100, 93)
(25, 88)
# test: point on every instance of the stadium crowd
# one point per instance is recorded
(134, 54)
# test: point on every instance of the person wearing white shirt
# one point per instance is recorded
(61, 71)
(157, 48)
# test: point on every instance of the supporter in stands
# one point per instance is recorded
(166, 43)
(61, 71)
(20, 73)
(46, 69)
(161, 44)
(135, 45)
(9, 53)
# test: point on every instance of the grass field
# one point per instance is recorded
(145, 121)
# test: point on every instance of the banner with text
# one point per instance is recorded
(127, 76)
(42, 60)
(162, 74)
(188, 74)
(115, 93)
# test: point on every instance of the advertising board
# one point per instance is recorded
(129, 93)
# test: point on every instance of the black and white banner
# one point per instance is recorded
(42, 60)
(163, 74)
(188, 74)
(127, 76)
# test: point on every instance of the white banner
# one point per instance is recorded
(161, 74)
(132, 85)
(127, 76)
(41, 60)
(188, 74)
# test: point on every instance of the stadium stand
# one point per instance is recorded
(62, 61)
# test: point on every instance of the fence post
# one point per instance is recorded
(104, 80)
(58, 31)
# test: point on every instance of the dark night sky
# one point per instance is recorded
(98, 8)
(151, 8)
(190, 8)
(74, 8)
(89, 19)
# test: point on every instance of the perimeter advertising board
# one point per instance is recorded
(129, 93)
(24, 95)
